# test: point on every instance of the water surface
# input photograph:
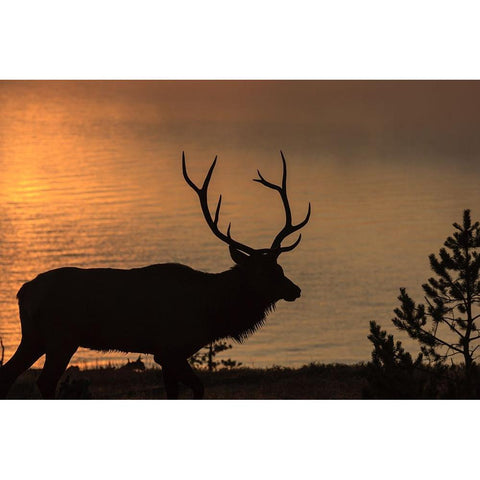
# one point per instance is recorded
(90, 176)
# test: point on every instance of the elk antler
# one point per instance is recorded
(213, 223)
(276, 248)
(288, 229)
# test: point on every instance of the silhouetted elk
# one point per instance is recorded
(168, 310)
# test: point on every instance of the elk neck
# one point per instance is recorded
(240, 310)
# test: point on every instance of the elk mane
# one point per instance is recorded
(245, 311)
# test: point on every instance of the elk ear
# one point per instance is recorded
(238, 257)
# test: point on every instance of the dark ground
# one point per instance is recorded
(313, 381)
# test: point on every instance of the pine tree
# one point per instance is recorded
(446, 325)
(392, 372)
(206, 356)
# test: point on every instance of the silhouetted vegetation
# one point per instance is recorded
(393, 374)
(205, 358)
(137, 365)
(75, 388)
(445, 327)
(2, 355)
(314, 381)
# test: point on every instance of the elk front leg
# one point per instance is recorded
(175, 370)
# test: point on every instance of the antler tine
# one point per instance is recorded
(185, 174)
(293, 229)
(284, 176)
(256, 250)
(283, 193)
(217, 211)
(289, 228)
(290, 247)
(209, 175)
(266, 183)
(212, 223)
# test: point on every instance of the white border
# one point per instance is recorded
(244, 40)
(252, 39)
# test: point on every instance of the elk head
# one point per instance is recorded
(260, 266)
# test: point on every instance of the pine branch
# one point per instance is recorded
(439, 340)
(452, 327)
(473, 351)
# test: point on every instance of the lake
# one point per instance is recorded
(90, 176)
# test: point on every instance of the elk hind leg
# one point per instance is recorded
(56, 362)
(187, 376)
(28, 352)
(170, 380)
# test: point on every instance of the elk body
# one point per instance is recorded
(168, 310)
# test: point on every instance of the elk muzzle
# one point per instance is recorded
(292, 292)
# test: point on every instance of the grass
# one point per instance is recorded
(314, 381)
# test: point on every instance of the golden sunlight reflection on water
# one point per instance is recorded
(91, 177)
